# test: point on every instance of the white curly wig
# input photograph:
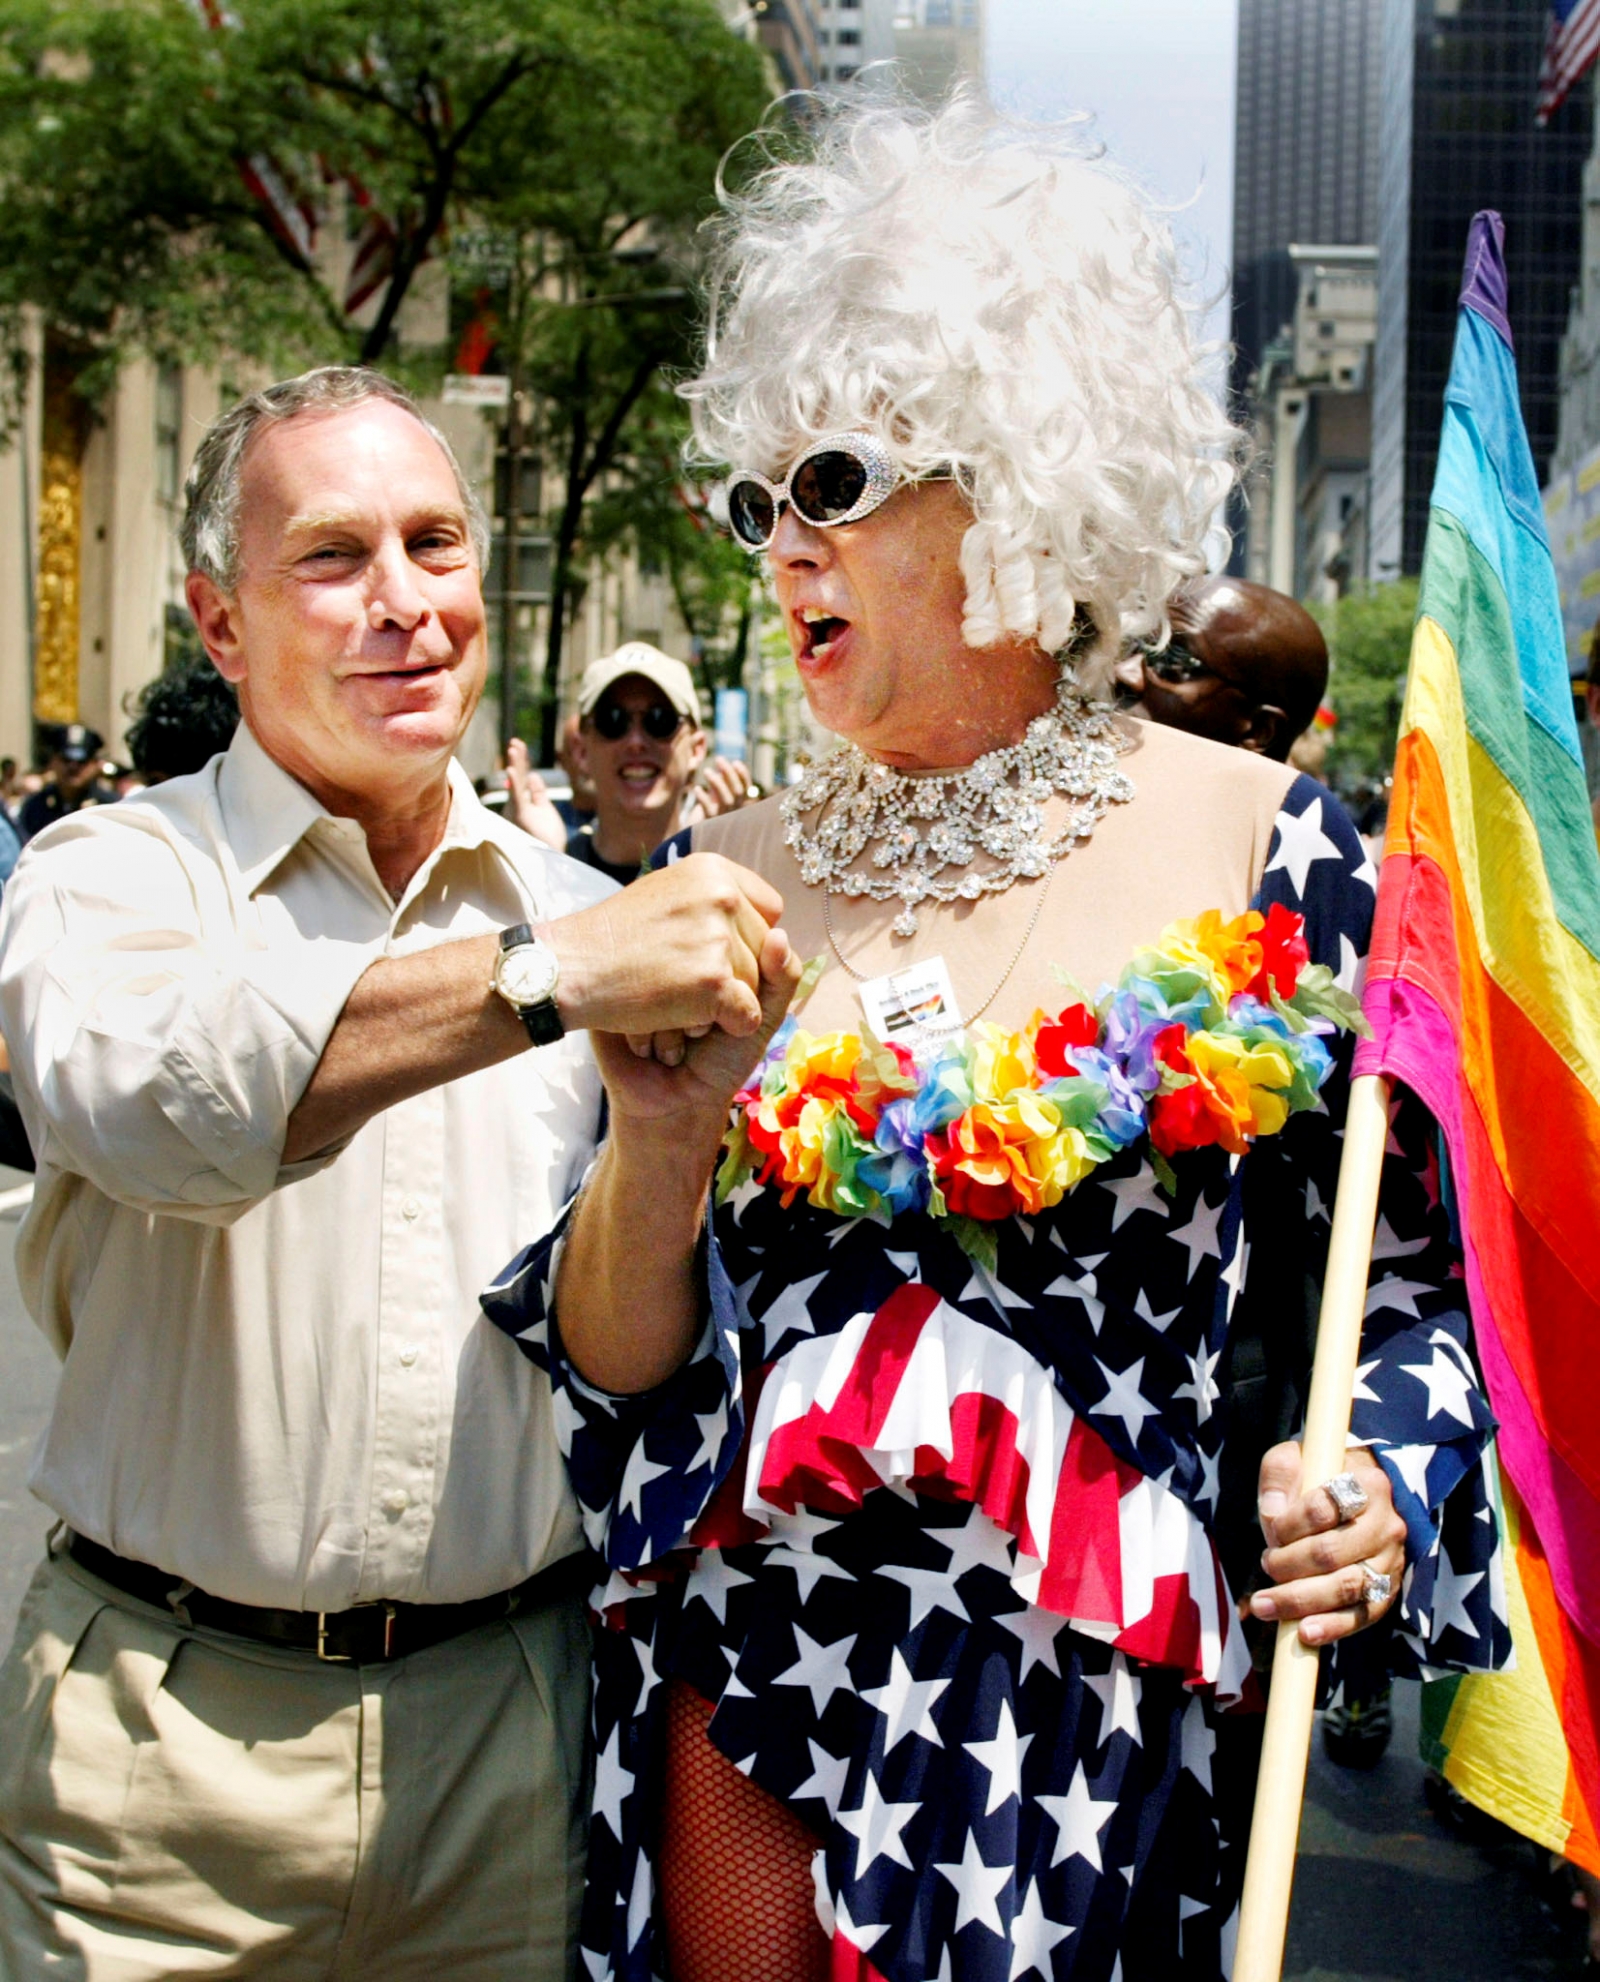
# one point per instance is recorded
(991, 297)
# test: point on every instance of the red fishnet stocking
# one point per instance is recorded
(735, 1865)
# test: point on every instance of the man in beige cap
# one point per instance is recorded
(640, 739)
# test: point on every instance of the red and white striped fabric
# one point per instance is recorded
(1571, 44)
(918, 1394)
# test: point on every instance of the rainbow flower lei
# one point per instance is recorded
(1213, 1036)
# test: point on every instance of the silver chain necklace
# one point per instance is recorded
(913, 830)
(865, 977)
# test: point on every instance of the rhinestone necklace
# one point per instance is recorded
(912, 831)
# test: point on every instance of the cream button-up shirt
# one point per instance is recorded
(276, 1381)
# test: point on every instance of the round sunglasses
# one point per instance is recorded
(659, 721)
(837, 480)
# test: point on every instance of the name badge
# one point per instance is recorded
(915, 1007)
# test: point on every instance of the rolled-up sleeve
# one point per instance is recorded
(155, 1055)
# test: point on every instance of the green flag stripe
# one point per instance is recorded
(1462, 593)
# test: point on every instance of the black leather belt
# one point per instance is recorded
(365, 1635)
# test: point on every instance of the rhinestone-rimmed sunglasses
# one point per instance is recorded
(838, 479)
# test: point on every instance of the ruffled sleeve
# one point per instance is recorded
(643, 1466)
(1419, 1403)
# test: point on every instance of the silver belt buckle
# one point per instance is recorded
(344, 1658)
(329, 1658)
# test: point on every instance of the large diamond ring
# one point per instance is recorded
(1348, 1495)
(1375, 1586)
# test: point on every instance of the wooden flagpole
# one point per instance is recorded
(1286, 1746)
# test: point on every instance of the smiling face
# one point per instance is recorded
(873, 612)
(355, 635)
(638, 775)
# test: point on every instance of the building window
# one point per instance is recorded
(848, 37)
(169, 431)
(844, 72)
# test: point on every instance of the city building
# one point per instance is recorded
(938, 43)
(1304, 170)
(854, 33)
(1313, 429)
(1455, 134)
(1578, 402)
(791, 33)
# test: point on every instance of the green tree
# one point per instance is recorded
(1369, 647)
(164, 165)
(138, 139)
(665, 518)
(599, 306)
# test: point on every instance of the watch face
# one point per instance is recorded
(527, 974)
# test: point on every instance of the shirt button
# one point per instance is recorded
(395, 1501)
(408, 1356)
(412, 1208)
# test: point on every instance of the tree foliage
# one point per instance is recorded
(1369, 647)
(669, 523)
(134, 135)
(553, 155)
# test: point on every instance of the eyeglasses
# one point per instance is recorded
(837, 480)
(659, 721)
(1174, 663)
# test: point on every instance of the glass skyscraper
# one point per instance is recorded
(1456, 133)
(1304, 169)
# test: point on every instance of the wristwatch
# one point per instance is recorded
(526, 973)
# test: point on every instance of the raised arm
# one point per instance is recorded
(628, 1291)
(677, 949)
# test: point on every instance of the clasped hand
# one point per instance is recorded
(1318, 1565)
(682, 979)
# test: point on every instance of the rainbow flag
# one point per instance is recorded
(1483, 991)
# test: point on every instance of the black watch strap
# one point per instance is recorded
(543, 1021)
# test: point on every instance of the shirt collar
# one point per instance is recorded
(267, 813)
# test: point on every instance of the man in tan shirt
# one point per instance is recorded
(301, 1688)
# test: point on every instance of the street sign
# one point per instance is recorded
(491, 390)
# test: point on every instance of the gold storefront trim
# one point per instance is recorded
(59, 604)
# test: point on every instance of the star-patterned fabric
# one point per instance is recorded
(934, 1541)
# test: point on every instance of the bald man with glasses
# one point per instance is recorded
(1245, 666)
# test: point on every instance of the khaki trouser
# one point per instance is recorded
(181, 1802)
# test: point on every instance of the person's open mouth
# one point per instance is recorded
(820, 635)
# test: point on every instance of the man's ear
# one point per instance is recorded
(698, 744)
(216, 618)
(1268, 733)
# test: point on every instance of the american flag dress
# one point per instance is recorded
(933, 1540)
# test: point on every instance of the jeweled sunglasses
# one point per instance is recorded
(838, 479)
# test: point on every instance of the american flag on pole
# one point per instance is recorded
(1571, 44)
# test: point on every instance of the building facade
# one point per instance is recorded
(1313, 429)
(791, 33)
(1578, 408)
(1305, 128)
(854, 33)
(938, 43)
(1456, 134)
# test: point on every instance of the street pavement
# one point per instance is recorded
(1385, 1893)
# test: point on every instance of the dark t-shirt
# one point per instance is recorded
(47, 805)
(581, 846)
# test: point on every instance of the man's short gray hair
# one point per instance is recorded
(210, 530)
